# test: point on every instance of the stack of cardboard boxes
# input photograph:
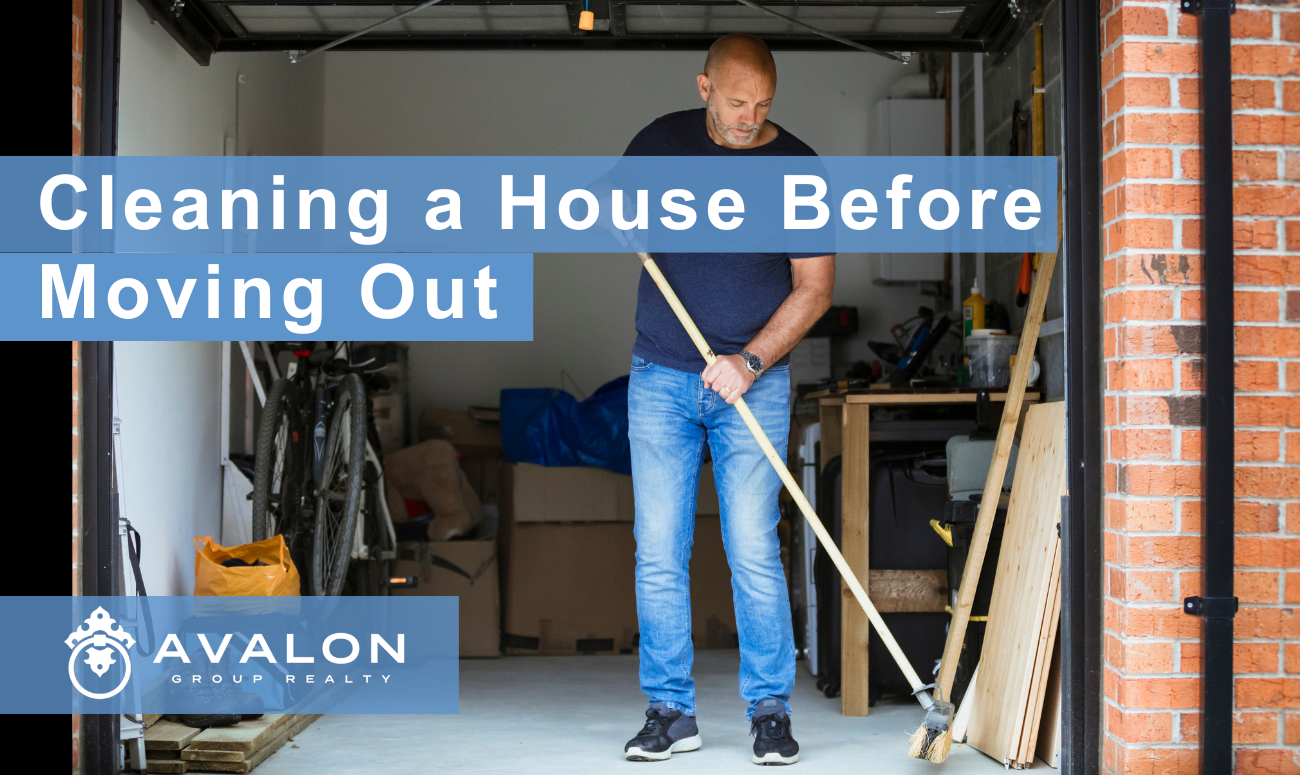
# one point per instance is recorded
(468, 569)
(567, 556)
(570, 563)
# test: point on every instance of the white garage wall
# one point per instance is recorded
(167, 395)
(169, 105)
(560, 103)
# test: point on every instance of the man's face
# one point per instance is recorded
(737, 98)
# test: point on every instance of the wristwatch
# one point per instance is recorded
(752, 361)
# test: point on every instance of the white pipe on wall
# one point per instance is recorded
(954, 120)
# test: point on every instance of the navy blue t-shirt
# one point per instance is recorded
(730, 296)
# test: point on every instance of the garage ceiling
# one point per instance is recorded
(206, 26)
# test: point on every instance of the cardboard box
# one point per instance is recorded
(579, 494)
(568, 494)
(571, 588)
(390, 421)
(485, 469)
(468, 570)
(457, 427)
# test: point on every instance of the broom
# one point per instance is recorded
(927, 742)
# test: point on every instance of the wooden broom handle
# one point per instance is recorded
(779, 464)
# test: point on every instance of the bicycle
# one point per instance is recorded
(316, 467)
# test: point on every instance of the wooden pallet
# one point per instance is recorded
(1026, 602)
(176, 748)
(167, 736)
(245, 736)
(211, 760)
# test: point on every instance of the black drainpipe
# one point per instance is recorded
(1218, 606)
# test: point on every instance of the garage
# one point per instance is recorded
(894, 419)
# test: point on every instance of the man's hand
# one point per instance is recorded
(729, 377)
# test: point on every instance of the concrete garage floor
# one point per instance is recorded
(572, 715)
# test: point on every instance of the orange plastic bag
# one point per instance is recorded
(277, 578)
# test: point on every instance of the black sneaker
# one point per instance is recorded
(667, 731)
(770, 727)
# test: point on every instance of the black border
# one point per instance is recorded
(1218, 469)
(102, 65)
(1082, 522)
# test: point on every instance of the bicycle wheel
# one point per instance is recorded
(276, 475)
(339, 499)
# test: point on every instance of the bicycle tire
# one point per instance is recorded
(339, 501)
(275, 470)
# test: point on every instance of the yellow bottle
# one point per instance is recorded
(972, 310)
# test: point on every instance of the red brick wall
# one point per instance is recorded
(1153, 301)
(76, 518)
(78, 46)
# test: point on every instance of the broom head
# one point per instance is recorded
(933, 739)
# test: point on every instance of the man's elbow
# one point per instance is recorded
(823, 300)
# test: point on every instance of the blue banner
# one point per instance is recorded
(231, 655)
(579, 204)
(323, 296)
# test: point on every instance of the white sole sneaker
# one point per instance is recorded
(772, 757)
(691, 743)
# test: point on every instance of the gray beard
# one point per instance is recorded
(726, 131)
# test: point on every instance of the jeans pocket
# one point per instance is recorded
(640, 364)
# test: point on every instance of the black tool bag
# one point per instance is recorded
(907, 491)
(959, 518)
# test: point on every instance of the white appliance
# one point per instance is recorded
(910, 128)
(808, 548)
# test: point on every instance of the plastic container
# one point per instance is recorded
(990, 357)
(972, 311)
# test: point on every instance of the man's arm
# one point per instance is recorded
(813, 280)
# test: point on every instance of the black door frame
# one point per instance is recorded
(101, 748)
(1082, 525)
(101, 59)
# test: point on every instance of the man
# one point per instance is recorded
(752, 309)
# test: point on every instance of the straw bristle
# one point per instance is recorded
(917, 750)
(933, 739)
(938, 750)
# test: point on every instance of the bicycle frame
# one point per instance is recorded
(314, 390)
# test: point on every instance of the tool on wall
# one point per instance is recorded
(939, 715)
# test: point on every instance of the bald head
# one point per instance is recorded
(737, 86)
(742, 51)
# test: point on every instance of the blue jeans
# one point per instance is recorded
(672, 415)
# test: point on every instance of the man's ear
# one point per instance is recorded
(702, 81)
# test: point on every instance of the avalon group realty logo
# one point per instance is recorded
(231, 655)
(98, 638)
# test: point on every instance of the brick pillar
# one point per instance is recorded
(78, 47)
(1153, 305)
(76, 518)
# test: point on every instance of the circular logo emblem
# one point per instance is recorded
(97, 639)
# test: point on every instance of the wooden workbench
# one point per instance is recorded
(845, 420)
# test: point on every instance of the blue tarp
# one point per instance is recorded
(549, 427)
